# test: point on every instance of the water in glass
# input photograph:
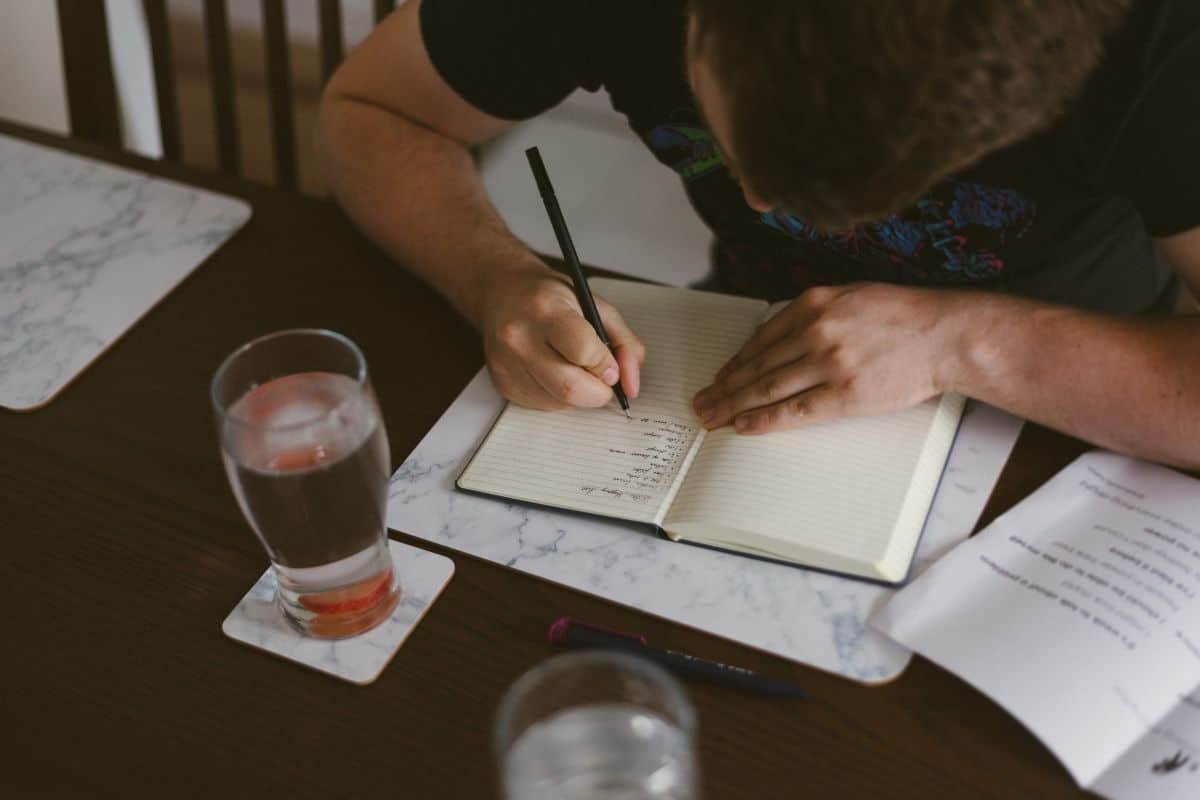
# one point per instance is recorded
(307, 457)
(600, 752)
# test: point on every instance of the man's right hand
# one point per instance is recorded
(393, 142)
(542, 352)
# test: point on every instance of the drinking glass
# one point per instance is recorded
(596, 724)
(307, 456)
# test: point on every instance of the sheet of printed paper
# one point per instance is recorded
(1077, 611)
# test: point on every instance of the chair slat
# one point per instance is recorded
(331, 37)
(220, 65)
(383, 8)
(87, 70)
(279, 89)
(164, 76)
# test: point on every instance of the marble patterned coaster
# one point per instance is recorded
(802, 615)
(359, 659)
(86, 249)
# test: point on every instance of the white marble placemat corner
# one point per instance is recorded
(801, 615)
(258, 622)
(86, 249)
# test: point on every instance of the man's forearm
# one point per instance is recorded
(417, 195)
(1130, 384)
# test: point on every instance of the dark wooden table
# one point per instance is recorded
(123, 551)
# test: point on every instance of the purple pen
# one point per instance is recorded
(576, 633)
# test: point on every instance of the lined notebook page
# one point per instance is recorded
(836, 495)
(596, 460)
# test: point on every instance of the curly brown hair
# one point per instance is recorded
(848, 110)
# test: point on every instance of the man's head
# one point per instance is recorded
(847, 110)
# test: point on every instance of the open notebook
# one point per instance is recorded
(848, 496)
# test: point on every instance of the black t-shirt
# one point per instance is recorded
(1066, 215)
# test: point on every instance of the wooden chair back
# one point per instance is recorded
(91, 89)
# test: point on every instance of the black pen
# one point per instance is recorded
(582, 292)
(568, 631)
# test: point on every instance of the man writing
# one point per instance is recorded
(969, 195)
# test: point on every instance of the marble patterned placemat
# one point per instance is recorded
(258, 622)
(805, 616)
(86, 249)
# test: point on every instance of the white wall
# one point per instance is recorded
(133, 76)
(31, 74)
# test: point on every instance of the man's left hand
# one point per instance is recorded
(859, 349)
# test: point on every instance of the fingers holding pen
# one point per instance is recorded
(542, 352)
(629, 350)
(570, 335)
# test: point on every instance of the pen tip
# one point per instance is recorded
(628, 415)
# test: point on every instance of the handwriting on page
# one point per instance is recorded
(592, 460)
(641, 473)
(597, 461)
